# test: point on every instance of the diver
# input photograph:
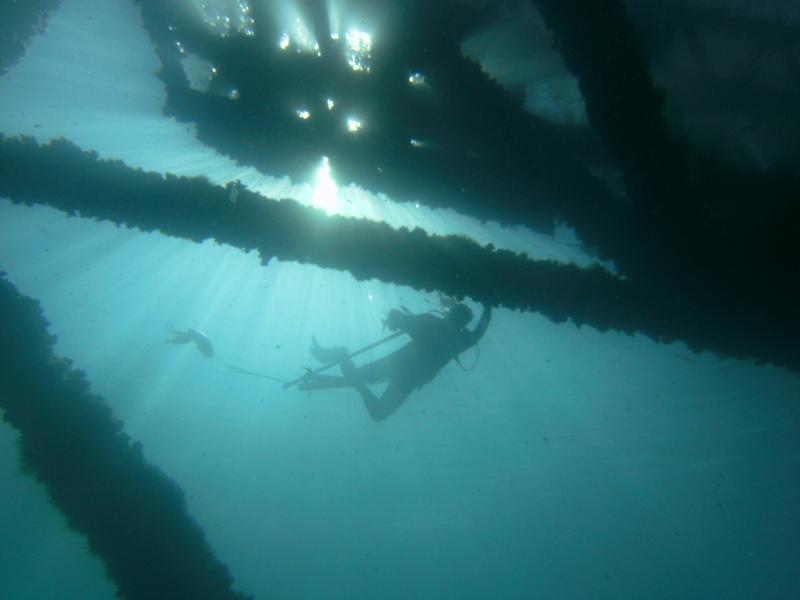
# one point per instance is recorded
(434, 342)
(193, 336)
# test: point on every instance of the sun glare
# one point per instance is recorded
(227, 19)
(334, 18)
(353, 125)
(325, 190)
(296, 34)
(359, 50)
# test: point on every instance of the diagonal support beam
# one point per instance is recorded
(133, 516)
(19, 23)
(598, 43)
(78, 183)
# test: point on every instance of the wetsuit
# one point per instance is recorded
(435, 341)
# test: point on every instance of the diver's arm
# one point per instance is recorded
(482, 325)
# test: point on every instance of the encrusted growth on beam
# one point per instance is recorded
(194, 209)
(133, 516)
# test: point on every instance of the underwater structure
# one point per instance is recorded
(663, 138)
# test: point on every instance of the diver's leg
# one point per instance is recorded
(372, 372)
(392, 398)
(179, 337)
(322, 382)
(352, 376)
(380, 370)
(357, 379)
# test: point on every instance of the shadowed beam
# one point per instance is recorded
(19, 22)
(133, 516)
(80, 184)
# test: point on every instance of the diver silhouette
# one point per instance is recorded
(434, 342)
(193, 336)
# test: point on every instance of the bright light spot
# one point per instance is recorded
(330, 103)
(305, 40)
(233, 94)
(325, 191)
(353, 125)
(416, 79)
(226, 18)
(417, 143)
(333, 9)
(359, 46)
(297, 34)
(303, 114)
(359, 40)
(370, 297)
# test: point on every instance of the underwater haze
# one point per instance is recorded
(192, 192)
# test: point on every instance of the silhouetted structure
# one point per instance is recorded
(132, 515)
(690, 275)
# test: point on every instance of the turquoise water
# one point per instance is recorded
(569, 463)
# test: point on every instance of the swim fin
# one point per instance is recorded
(328, 355)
